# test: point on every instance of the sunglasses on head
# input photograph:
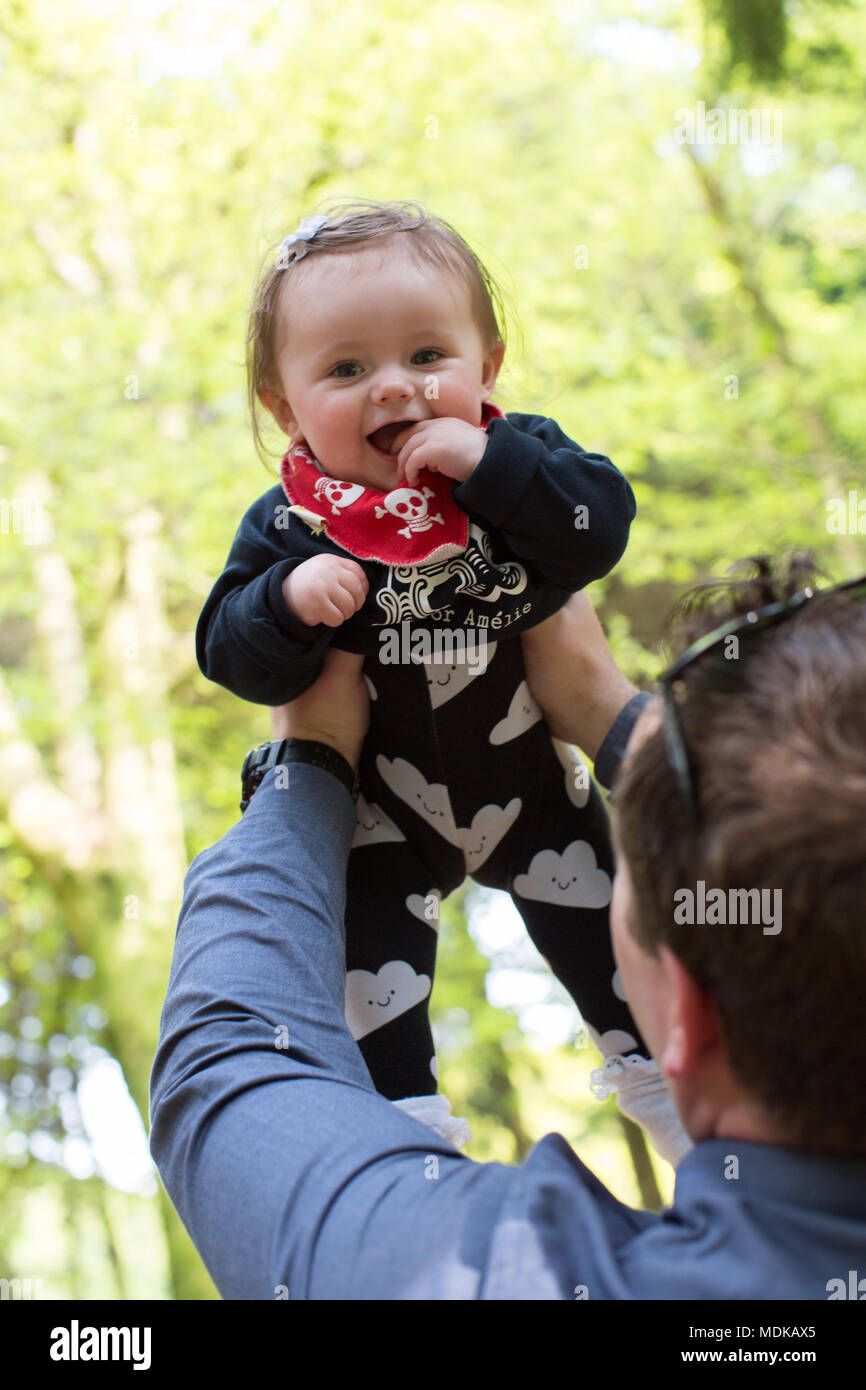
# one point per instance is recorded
(757, 620)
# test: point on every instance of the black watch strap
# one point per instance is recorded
(259, 761)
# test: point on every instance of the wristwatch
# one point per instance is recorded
(259, 761)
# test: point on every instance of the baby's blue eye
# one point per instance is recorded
(430, 353)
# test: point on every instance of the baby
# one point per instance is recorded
(418, 524)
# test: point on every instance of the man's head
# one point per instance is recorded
(759, 1029)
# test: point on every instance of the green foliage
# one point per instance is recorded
(693, 311)
(756, 32)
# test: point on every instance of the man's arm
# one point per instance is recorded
(566, 511)
(585, 697)
(289, 1171)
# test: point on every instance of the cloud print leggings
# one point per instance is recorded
(460, 776)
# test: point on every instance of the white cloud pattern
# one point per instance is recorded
(426, 909)
(489, 826)
(577, 780)
(445, 679)
(613, 1042)
(570, 879)
(429, 799)
(523, 712)
(374, 1000)
(372, 826)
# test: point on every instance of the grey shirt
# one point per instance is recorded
(296, 1179)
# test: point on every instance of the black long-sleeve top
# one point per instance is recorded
(535, 497)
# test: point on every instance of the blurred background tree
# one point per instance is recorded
(692, 308)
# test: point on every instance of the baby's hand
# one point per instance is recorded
(444, 445)
(325, 589)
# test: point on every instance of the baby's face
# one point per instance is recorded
(370, 339)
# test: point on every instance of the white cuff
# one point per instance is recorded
(435, 1112)
(643, 1096)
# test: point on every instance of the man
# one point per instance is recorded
(296, 1179)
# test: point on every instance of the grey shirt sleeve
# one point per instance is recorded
(289, 1171)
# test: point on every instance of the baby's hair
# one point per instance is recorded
(353, 224)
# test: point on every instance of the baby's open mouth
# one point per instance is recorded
(385, 435)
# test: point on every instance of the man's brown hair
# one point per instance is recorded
(777, 737)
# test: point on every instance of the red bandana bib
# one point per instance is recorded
(405, 526)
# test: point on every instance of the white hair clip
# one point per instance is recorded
(291, 247)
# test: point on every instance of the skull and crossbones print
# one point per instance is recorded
(409, 504)
(339, 494)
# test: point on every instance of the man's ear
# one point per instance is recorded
(490, 370)
(281, 411)
(693, 1024)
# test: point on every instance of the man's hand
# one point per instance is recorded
(573, 676)
(335, 711)
(444, 445)
(325, 589)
